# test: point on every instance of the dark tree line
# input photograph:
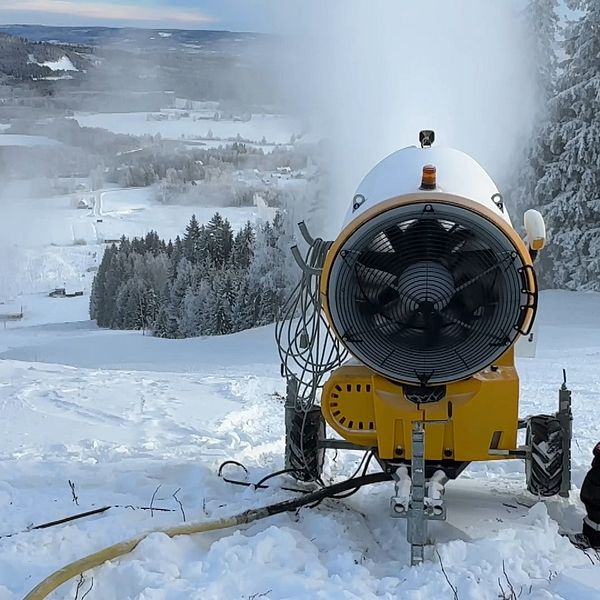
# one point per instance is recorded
(213, 281)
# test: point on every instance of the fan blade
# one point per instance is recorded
(380, 261)
(425, 234)
(395, 236)
(458, 312)
(458, 238)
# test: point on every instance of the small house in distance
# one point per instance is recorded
(62, 293)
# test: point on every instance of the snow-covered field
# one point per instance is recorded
(121, 415)
(12, 139)
(62, 245)
(274, 129)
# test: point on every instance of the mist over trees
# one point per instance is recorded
(211, 281)
(560, 175)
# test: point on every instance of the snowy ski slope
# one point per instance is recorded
(122, 415)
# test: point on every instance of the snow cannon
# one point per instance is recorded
(410, 347)
(428, 283)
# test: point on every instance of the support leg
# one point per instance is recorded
(417, 519)
(565, 418)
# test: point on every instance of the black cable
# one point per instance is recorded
(260, 484)
(276, 474)
(232, 481)
(316, 497)
(362, 466)
(230, 462)
(368, 456)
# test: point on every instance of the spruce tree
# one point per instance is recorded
(243, 247)
(220, 308)
(117, 274)
(185, 280)
(272, 271)
(569, 190)
(98, 307)
(220, 240)
(136, 305)
(192, 240)
(194, 313)
(542, 24)
(166, 324)
(543, 28)
(243, 306)
(177, 254)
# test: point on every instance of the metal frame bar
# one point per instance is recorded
(416, 529)
(342, 445)
(565, 418)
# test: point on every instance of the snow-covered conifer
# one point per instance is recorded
(542, 26)
(219, 240)
(243, 247)
(192, 240)
(569, 190)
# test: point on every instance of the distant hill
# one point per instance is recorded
(109, 69)
(23, 59)
(131, 38)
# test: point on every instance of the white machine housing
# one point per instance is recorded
(400, 174)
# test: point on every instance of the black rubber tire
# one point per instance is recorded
(304, 431)
(543, 467)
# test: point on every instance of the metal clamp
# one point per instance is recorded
(416, 499)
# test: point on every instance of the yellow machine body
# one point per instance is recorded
(476, 420)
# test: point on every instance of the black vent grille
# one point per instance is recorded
(428, 293)
(424, 394)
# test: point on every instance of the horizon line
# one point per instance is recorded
(142, 27)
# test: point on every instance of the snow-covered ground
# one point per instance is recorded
(121, 415)
(62, 64)
(62, 245)
(13, 139)
(125, 416)
(274, 129)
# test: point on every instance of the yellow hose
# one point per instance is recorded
(92, 561)
(54, 581)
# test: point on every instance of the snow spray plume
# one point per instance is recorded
(370, 75)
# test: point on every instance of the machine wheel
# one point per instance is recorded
(304, 431)
(543, 467)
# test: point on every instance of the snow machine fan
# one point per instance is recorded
(428, 287)
(429, 292)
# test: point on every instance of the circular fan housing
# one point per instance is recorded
(429, 291)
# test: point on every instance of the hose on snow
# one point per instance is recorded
(96, 559)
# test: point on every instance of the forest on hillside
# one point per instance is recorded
(212, 281)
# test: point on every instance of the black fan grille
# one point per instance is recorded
(427, 293)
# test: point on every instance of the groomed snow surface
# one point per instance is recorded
(124, 417)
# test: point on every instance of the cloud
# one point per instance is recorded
(106, 11)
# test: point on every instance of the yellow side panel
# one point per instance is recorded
(474, 416)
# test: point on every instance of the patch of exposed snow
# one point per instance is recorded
(62, 64)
